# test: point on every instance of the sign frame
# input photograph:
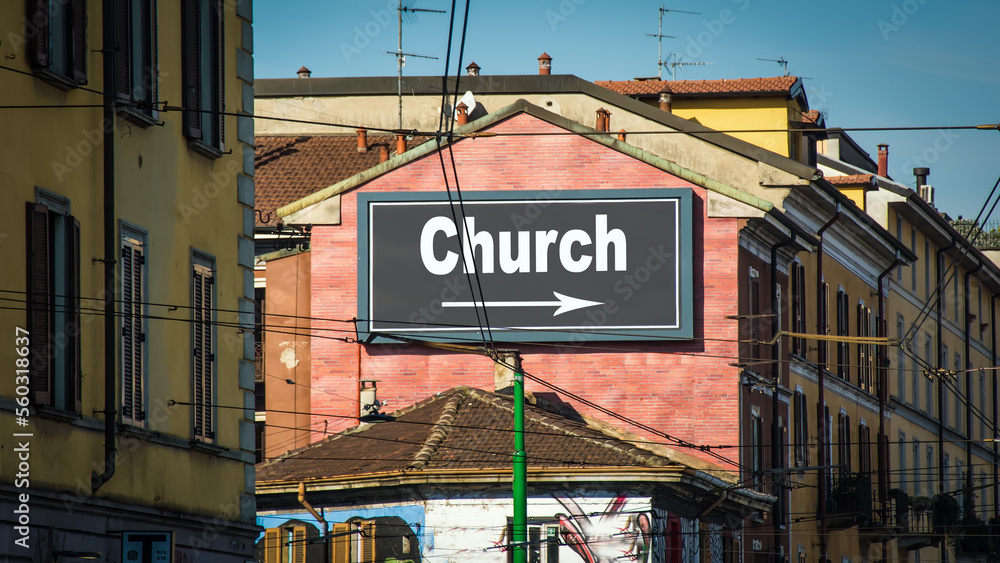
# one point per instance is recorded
(684, 290)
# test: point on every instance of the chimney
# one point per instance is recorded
(463, 113)
(503, 375)
(621, 135)
(603, 120)
(304, 72)
(383, 152)
(362, 139)
(545, 64)
(472, 69)
(400, 143)
(666, 99)
(921, 175)
(883, 160)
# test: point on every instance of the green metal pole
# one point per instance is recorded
(520, 529)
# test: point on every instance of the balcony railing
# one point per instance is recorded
(850, 501)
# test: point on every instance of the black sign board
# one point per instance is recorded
(563, 265)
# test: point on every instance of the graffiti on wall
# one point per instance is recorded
(613, 535)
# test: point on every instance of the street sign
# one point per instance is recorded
(553, 266)
(147, 547)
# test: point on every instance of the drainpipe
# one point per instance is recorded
(968, 386)
(776, 352)
(319, 518)
(996, 411)
(821, 317)
(939, 307)
(110, 244)
(883, 387)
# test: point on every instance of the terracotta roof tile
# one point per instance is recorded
(851, 180)
(290, 167)
(776, 85)
(466, 428)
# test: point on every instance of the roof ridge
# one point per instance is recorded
(603, 441)
(439, 432)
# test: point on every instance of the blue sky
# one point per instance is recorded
(869, 63)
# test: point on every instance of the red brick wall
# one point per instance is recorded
(686, 389)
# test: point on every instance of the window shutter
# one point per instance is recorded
(203, 352)
(75, 347)
(272, 545)
(221, 50)
(367, 542)
(38, 16)
(191, 54)
(39, 302)
(298, 544)
(154, 69)
(341, 543)
(78, 17)
(123, 50)
(133, 338)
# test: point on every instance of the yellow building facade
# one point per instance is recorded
(130, 218)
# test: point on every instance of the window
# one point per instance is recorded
(962, 392)
(899, 237)
(57, 44)
(543, 542)
(134, 313)
(927, 269)
(203, 332)
(798, 308)
(754, 312)
(943, 365)
(864, 448)
(917, 372)
(917, 475)
(757, 449)
(982, 406)
(983, 506)
(928, 355)
(913, 267)
(866, 361)
(929, 479)
(843, 348)
(900, 360)
(801, 423)
(204, 72)
(136, 74)
(844, 441)
(828, 447)
(53, 302)
(946, 466)
(960, 486)
(901, 472)
(954, 284)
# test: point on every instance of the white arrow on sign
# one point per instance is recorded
(564, 303)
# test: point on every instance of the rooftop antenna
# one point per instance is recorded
(781, 61)
(407, 10)
(675, 63)
(659, 40)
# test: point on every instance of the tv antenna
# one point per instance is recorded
(659, 39)
(781, 61)
(406, 12)
(675, 63)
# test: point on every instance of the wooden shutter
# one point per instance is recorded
(340, 543)
(133, 337)
(38, 17)
(154, 72)
(272, 545)
(367, 554)
(203, 357)
(39, 304)
(191, 56)
(74, 347)
(299, 536)
(123, 50)
(78, 19)
(221, 54)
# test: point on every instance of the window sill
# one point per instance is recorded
(55, 413)
(199, 446)
(55, 79)
(137, 116)
(204, 149)
(136, 430)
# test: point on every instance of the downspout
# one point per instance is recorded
(821, 318)
(939, 307)
(968, 388)
(996, 412)
(883, 387)
(110, 243)
(776, 355)
(319, 518)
